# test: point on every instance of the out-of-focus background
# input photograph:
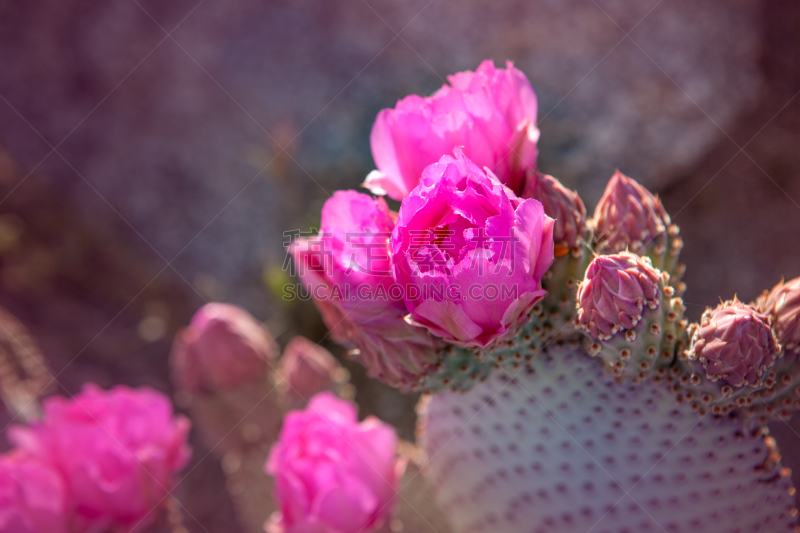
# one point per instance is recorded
(152, 154)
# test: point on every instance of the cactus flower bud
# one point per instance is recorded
(615, 292)
(222, 348)
(117, 452)
(735, 343)
(347, 269)
(629, 216)
(32, 496)
(306, 368)
(332, 473)
(470, 253)
(783, 304)
(562, 205)
(491, 113)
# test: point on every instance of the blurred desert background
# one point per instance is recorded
(153, 154)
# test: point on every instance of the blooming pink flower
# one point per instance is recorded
(223, 347)
(332, 473)
(32, 497)
(347, 269)
(491, 113)
(471, 253)
(116, 451)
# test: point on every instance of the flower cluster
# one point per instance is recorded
(463, 259)
(101, 461)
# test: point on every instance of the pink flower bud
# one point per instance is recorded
(735, 343)
(347, 269)
(628, 216)
(470, 254)
(306, 368)
(562, 205)
(222, 348)
(490, 113)
(117, 452)
(32, 496)
(782, 303)
(332, 473)
(615, 292)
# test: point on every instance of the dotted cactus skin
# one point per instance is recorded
(563, 447)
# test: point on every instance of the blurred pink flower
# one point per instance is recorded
(117, 452)
(222, 348)
(347, 269)
(333, 474)
(474, 252)
(32, 497)
(490, 113)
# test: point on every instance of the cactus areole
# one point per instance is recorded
(591, 404)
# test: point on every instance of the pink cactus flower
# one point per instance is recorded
(615, 292)
(223, 347)
(332, 473)
(32, 496)
(491, 113)
(347, 269)
(116, 451)
(307, 368)
(628, 215)
(470, 253)
(735, 343)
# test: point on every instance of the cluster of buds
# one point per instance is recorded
(629, 217)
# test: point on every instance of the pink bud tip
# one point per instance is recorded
(115, 452)
(735, 343)
(614, 293)
(333, 473)
(306, 368)
(223, 347)
(629, 216)
(562, 205)
(782, 303)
